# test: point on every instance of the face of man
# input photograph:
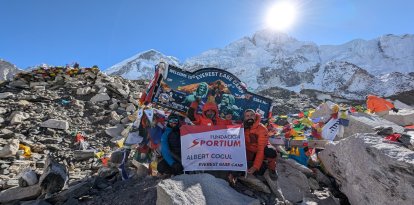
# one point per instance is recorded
(210, 114)
(173, 122)
(228, 116)
(249, 118)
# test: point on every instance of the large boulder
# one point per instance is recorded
(56, 124)
(6, 95)
(100, 97)
(20, 193)
(292, 182)
(17, 117)
(10, 149)
(404, 117)
(54, 177)
(199, 189)
(115, 131)
(363, 123)
(83, 91)
(370, 171)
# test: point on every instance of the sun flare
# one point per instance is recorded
(281, 16)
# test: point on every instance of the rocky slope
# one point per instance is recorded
(46, 114)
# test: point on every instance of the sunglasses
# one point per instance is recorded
(173, 121)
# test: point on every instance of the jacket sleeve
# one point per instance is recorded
(165, 148)
(370, 105)
(261, 145)
(192, 113)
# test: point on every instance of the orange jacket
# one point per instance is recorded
(256, 139)
(202, 119)
(377, 104)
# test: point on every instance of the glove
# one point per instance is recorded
(177, 168)
(395, 109)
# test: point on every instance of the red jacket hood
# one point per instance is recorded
(210, 106)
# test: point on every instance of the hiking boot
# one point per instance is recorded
(273, 175)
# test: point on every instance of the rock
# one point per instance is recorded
(10, 149)
(117, 157)
(1, 120)
(403, 118)
(142, 170)
(19, 84)
(40, 164)
(12, 183)
(400, 105)
(78, 104)
(6, 95)
(274, 186)
(125, 120)
(102, 90)
(34, 84)
(23, 103)
(39, 87)
(100, 97)
(115, 131)
(363, 123)
(113, 106)
(2, 110)
(36, 202)
(130, 107)
(313, 184)
(20, 193)
(115, 116)
(28, 178)
(294, 164)
(72, 192)
(17, 117)
(293, 183)
(6, 133)
(83, 91)
(199, 189)
(56, 124)
(370, 171)
(54, 177)
(83, 154)
(254, 183)
(322, 178)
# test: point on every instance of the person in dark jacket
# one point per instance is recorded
(171, 148)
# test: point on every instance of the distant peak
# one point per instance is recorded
(272, 36)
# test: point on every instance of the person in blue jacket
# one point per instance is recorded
(171, 148)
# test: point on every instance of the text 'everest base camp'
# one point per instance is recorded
(268, 119)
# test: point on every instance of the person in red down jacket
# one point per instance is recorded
(209, 116)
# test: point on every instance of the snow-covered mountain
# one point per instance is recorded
(382, 66)
(140, 66)
(7, 70)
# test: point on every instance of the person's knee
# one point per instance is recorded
(270, 153)
(163, 167)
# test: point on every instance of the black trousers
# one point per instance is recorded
(164, 168)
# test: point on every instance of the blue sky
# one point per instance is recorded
(104, 32)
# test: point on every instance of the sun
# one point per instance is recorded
(281, 16)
